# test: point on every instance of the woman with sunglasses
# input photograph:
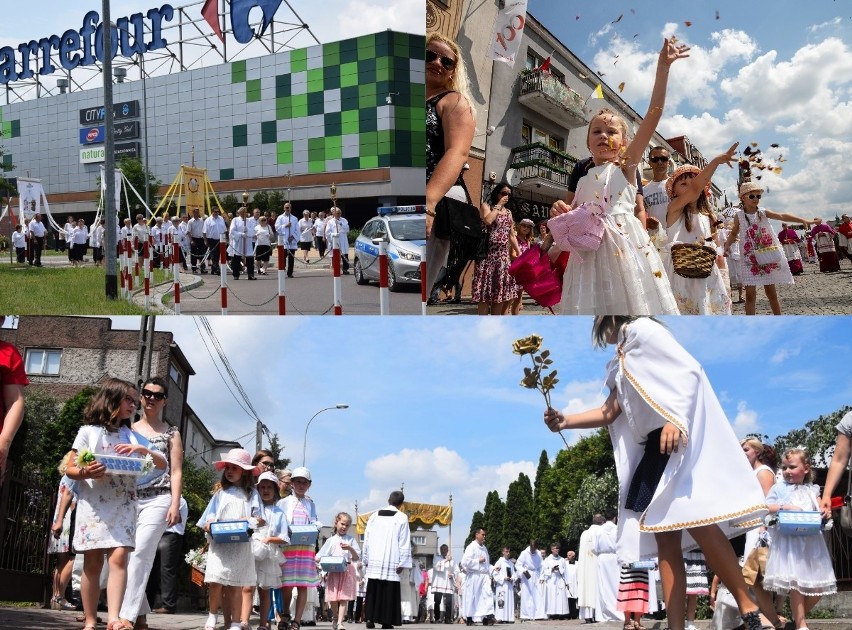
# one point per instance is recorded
(450, 126)
(493, 287)
(159, 501)
(752, 228)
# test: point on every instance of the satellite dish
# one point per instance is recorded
(513, 177)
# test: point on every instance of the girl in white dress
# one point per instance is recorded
(106, 503)
(660, 399)
(231, 564)
(341, 588)
(689, 219)
(625, 274)
(752, 228)
(266, 543)
(798, 565)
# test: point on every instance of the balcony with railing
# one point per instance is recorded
(543, 93)
(542, 169)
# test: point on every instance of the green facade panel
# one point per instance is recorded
(238, 72)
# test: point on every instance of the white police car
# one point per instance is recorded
(403, 228)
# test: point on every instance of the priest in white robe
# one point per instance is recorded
(504, 576)
(529, 570)
(587, 570)
(571, 581)
(553, 571)
(386, 552)
(609, 573)
(477, 597)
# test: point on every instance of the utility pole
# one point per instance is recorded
(110, 240)
(145, 349)
(258, 438)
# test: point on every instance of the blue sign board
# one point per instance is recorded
(92, 135)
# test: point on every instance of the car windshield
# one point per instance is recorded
(410, 230)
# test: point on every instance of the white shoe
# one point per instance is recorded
(690, 627)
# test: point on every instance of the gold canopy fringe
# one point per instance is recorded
(419, 515)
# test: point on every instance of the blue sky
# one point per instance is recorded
(766, 72)
(435, 403)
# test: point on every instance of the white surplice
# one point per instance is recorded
(587, 573)
(504, 575)
(477, 598)
(529, 562)
(387, 544)
(609, 574)
(553, 571)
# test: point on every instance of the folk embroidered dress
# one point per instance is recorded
(756, 234)
(230, 564)
(625, 275)
(491, 279)
(657, 381)
(800, 563)
(696, 296)
(300, 568)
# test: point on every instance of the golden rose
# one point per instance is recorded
(527, 345)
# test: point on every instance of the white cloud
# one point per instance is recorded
(783, 354)
(745, 421)
(835, 22)
(408, 16)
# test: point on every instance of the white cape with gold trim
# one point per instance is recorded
(710, 481)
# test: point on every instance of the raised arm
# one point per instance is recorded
(790, 218)
(698, 183)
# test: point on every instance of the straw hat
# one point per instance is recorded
(237, 457)
(301, 473)
(749, 187)
(680, 170)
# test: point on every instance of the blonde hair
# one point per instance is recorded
(341, 515)
(753, 442)
(803, 455)
(529, 237)
(63, 463)
(458, 81)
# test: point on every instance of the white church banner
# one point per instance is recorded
(508, 31)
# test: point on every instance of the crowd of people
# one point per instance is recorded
(622, 233)
(251, 237)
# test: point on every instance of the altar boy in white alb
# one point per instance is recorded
(477, 597)
(504, 576)
(553, 572)
(529, 570)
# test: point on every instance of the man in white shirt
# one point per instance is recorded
(387, 551)
(140, 233)
(197, 247)
(67, 234)
(306, 234)
(338, 225)
(287, 225)
(477, 597)
(178, 233)
(319, 233)
(656, 200)
(442, 585)
(37, 232)
(609, 573)
(214, 227)
(157, 237)
(240, 245)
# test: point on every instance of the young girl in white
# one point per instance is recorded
(625, 274)
(300, 569)
(341, 588)
(798, 565)
(60, 540)
(674, 497)
(689, 219)
(524, 237)
(267, 557)
(752, 228)
(231, 564)
(106, 503)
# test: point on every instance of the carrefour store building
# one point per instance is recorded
(347, 112)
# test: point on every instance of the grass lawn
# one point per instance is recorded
(26, 290)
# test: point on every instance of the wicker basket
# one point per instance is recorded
(197, 576)
(693, 261)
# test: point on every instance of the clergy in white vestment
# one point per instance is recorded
(571, 582)
(504, 576)
(386, 552)
(442, 583)
(477, 597)
(408, 585)
(609, 573)
(553, 571)
(529, 570)
(587, 570)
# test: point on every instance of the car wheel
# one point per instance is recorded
(393, 285)
(359, 273)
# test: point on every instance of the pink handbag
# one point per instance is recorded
(533, 271)
(581, 229)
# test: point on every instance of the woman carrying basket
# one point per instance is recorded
(691, 234)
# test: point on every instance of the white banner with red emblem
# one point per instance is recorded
(508, 31)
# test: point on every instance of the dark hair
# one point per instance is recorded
(396, 498)
(605, 325)
(699, 206)
(497, 192)
(246, 483)
(104, 408)
(159, 381)
(260, 455)
(768, 457)
(659, 147)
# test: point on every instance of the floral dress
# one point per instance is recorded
(756, 233)
(106, 507)
(491, 280)
(62, 544)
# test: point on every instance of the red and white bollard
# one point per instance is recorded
(338, 282)
(146, 260)
(223, 272)
(176, 274)
(384, 294)
(424, 290)
(120, 253)
(128, 248)
(282, 282)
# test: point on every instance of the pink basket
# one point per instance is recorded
(533, 271)
(581, 229)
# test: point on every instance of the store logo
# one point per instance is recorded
(240, 10)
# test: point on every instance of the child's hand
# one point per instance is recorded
(559, 207)
(130, 449)
(553, 419)
(670, 439)
(95, 470)
(728, 156)
(671, 52)
(56, 530)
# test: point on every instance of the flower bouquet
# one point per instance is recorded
(197, 561)
(537, 377)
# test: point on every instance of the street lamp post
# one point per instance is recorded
(305, 443)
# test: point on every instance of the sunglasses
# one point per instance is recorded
(447, 62)
(659, 158)
(267, 464)
(754, 197)
(147, 393)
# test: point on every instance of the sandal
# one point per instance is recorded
(294, 625)
(284, 624)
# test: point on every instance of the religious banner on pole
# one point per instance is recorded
(508, 31)
(118, 181)
(30, 193)
(193, 183)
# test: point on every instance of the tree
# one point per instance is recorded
(818, 437)
(198, 484)
(260, 200)
(40, 410)
(139, 177)
(543, 501)
(230, 203)
(5, 189)
(276, 201)
(476, 522)
(597, 494)
(275, 447)
(56, 442)
(518, 519)
(495, 512)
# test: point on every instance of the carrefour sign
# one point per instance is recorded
(85, 47)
